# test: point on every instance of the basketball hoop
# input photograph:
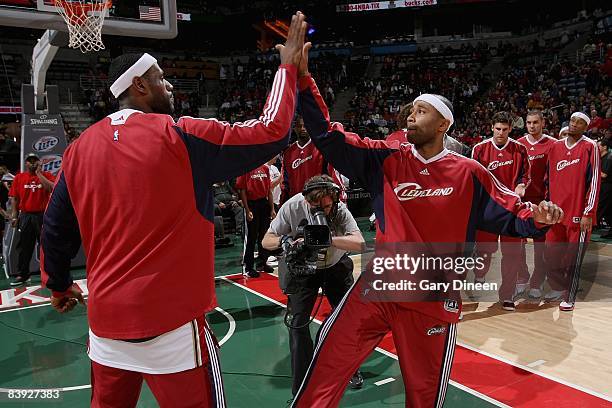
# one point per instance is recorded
(84, 19)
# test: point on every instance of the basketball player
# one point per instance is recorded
(403, 181)
(302, 161)
(137, 187)
(508, 161)
(538, 146)
(573, 181)
(256, 194)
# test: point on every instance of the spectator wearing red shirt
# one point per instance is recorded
(29, 195)
(256, 194)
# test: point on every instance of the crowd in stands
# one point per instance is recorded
(403, 77)
(245, 85)
(557, 88)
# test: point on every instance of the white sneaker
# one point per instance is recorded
(535, 293)
(554, 295)
(566, 306)
(272, 261)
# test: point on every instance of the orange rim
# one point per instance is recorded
(77, 12)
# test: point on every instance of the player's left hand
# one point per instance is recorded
(547, 212)
(303, 67)
(586, 224)
(520, 190)
(272, 214)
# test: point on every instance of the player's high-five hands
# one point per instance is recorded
(291, 52)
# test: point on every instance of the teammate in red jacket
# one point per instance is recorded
(538, 145)
(302, 161)
(256, 194)
(421, 194)
(573, 181)
(508, 161)
(137, 188)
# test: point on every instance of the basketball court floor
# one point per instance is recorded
(534, 357)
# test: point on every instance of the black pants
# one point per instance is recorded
(335, 281)
(255, 231)
(604, 208)
(30, 225)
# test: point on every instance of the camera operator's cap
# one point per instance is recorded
(32, 156)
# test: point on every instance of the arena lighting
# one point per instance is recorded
(281, 27)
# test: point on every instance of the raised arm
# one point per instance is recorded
(223, 150)
(356, 158)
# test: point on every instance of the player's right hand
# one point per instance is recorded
(68, 301)
(14, 222)
(291, 52)
(249, 216)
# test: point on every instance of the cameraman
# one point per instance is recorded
(334, 271)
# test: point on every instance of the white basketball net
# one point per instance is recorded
(85, 19)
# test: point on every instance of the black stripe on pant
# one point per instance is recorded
(256, 229)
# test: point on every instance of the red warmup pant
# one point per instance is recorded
(565, 249)
(511, 248)
(198, 387)
(539, 268)
(425, 348)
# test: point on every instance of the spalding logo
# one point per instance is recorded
(51, 163)
(45, 143)
(409, 191)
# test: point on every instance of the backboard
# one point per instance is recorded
(132, 18)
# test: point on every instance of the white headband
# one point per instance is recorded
(581, 116)
(138, 69)
(563, 129)
(439, 105)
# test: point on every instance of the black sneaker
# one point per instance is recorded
(508, 306)
(356, 381)
(250, 273)
(20, 280)
(265, 268)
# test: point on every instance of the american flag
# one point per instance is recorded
(150, 13)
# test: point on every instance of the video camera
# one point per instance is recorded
(301, 256)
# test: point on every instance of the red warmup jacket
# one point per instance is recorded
(444, 199)
(137, 189)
